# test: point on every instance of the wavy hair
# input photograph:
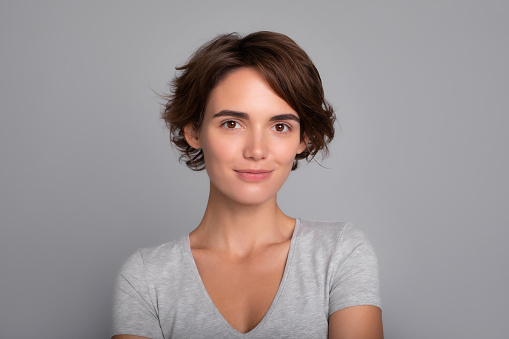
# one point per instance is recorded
(287, 68)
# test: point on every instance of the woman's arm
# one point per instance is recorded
(356, 322)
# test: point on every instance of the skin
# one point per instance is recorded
(242, 243)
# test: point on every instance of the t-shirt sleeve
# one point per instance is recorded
(355, 277)
(134, 310)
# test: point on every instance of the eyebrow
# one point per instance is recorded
(242, 115)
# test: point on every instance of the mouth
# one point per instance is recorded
(254, 175)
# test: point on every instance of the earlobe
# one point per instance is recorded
(192, 136)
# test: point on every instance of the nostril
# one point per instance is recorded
(256, 147)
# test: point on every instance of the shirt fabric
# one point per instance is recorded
(331, 265)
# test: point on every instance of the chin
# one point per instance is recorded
(247, 195)
(251, 198)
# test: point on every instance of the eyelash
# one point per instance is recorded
(224, 124)
(287, 128)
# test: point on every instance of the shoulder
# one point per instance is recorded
(140, 288)
(341, 246)
(349, 261)
(145, 261)
(331, 234)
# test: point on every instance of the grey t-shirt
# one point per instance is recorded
(330, 266)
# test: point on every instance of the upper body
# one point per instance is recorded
(330, 267)
(247, 110)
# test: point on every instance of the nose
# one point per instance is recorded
(256, 145)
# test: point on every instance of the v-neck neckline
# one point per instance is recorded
(226, 325)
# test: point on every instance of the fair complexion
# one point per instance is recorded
(249, 137)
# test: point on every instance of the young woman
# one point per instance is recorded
(247, 109)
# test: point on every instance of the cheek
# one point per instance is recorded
(220, 150)
(285, 151)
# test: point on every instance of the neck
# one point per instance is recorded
(240, 229)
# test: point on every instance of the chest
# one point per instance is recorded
(243, 290)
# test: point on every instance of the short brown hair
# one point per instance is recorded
(286, 67)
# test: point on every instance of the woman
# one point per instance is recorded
(247, 110)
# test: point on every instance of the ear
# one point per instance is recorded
(192, 136)
(303, 144)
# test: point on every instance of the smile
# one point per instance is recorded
(254, 175)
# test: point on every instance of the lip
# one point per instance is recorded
(254, 175)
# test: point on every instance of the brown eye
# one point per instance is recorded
(231, 124)
(280, 127)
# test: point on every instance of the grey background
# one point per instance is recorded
(420, 162)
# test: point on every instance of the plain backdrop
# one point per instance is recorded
(420, 162)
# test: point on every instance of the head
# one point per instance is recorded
(286, 68)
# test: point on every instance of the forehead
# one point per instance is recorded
(246, 90)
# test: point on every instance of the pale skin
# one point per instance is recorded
(242, 243)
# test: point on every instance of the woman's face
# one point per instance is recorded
(249, 138)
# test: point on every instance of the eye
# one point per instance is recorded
(281, 128)
(231, 124)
